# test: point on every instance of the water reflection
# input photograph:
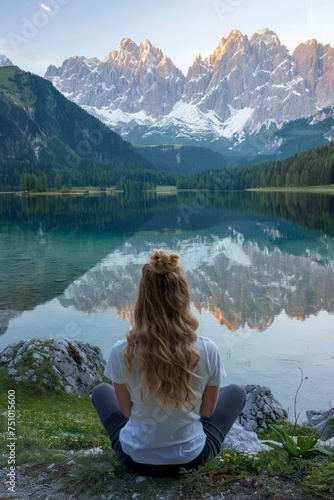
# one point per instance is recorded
(245, 262)
(239, 283)
(260, 268)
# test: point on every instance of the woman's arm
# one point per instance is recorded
(123, 399)
(209, 400)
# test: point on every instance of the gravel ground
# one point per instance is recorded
(37, 483)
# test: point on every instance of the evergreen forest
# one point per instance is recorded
(314, 167)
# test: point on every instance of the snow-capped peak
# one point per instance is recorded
(243, 87)
(128, 45)
(266, 35)
(235, 34)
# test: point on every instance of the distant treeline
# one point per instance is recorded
(314, 167)
(88, 173)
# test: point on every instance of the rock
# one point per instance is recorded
(261, 409)
(318, 421)
(240, 439)
(140, 479)
(328, 442)
(251, 425)
(74, 367)
(89, 452)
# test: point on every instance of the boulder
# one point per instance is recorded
(242, 440)
(328, 442)
(261, 409)
(74, 367)
(318, 420)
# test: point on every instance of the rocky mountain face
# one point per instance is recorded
(130, 79)
(247, 88)
(4, 61)
(315, 63)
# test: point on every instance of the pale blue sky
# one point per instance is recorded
(34, 34)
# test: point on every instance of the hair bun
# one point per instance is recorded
(163, 262)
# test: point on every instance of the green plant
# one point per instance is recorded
(320, 479)
(303, 447)
(244, 461)
(91, 476)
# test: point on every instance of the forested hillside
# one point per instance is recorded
(307, 168)
(184, 159)
(48, 141)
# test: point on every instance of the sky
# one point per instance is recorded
(35, 34)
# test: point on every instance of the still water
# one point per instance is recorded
(260, 268)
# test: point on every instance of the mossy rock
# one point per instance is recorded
(50, 365)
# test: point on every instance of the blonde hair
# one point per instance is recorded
(163, 332)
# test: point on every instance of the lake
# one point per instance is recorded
(260, 268)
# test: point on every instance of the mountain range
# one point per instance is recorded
(236, 100)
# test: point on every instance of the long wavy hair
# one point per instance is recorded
(164, 332)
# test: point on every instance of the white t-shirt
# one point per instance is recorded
(160, 434)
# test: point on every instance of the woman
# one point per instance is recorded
(165, 410)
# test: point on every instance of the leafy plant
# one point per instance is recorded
(303, 447)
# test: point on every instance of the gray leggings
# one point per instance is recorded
(231, 400)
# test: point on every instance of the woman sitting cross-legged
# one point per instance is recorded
(165, 409)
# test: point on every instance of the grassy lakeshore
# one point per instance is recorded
(89, 190)
(328, 189)
(167, 189)
(53, 430)
(78, 191)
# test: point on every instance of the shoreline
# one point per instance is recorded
(93, 191)
(328, 189)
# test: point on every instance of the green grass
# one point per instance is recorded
(57, 423)
(93, 191)
(326, 189)
(52, 428)
(23, 96)
(164, 189)
(82, 189)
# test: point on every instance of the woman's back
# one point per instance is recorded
(165, 410)
(156, 431)
(164, 331)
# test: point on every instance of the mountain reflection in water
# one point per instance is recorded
(260, 269)
(237, 282)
